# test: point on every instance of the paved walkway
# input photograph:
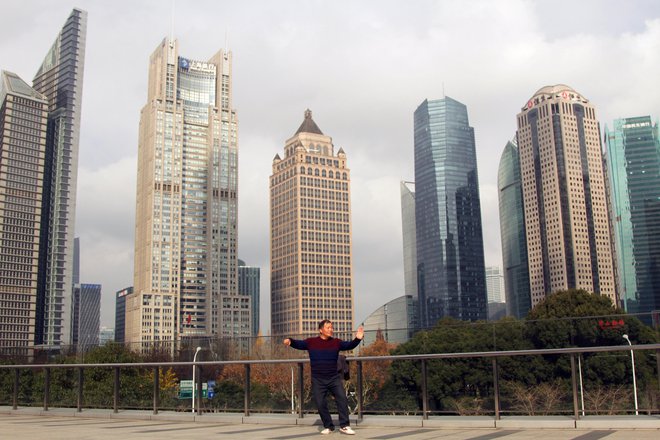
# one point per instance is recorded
(67, 424)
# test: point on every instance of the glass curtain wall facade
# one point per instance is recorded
(249, 279)
(60, 78)
(396, 321)
(450, 255)
(23, 122)
(185, 282)
(633, 148)
(409, 238)
(89, 313)
(512, 233)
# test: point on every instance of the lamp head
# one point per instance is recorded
(198, 348)
(626, 337)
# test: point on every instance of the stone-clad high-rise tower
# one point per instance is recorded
(185, 279)
(563, 186)
(310, 235)
(23, 121)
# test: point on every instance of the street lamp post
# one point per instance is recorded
(632, 357)
(193, 380)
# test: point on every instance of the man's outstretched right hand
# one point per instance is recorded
(287, 341)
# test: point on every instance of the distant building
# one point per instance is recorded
(23, 119)
(396, 321)
(409, 238)
(106, 335)
(495, 284)
(450, 250)
(248, 284)
(310, 235)
(120, 313)
(512, 233)
(87, 316)
(633, 148)
(563, 184)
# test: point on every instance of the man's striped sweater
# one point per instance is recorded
(323, 353)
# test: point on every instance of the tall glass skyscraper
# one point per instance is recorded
(60, 79)
(409, 238)
(249, 278)
(450, 251)
(512, 232)
(185, 279)
(633, 148)
(86, 316)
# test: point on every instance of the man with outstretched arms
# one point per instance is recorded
(323, 354)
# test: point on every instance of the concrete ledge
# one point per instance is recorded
(271, 419)
(315, 420)
(619, 422)
(391, 421)
(453, 422)
(535, 422)
(627, 422)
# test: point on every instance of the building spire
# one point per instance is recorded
(308, 125)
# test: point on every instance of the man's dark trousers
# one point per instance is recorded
(321, 386)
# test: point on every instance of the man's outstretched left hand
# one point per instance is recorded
(360, 332)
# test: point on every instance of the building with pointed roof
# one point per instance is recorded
(310, 235)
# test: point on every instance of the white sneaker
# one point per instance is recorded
(347, 430)
(327, 431)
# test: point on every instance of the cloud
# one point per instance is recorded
(363, 68)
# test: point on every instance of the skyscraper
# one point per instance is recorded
(120, 314)
(494, 284)
(249, 278)
(512, 233)
(86, 316)
(60, 79)
(633, 147)
(409, 238)
(566, 217)
(450, 255)
(310, 235)
(23, 121)
(185, 279)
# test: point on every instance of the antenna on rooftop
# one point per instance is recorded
(172, 21)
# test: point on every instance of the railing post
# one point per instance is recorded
(46, 388)
(115, 394)
(81, 378)
(657, 361)
(496, 388)
(359, 389)
(425, 393)
(576, 413)
(17, 375)
(301, 389)
(198, 397)
(246, 404)
(156, 389)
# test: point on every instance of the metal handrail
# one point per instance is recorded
(572, 351)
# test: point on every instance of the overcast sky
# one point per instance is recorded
(362, 67)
